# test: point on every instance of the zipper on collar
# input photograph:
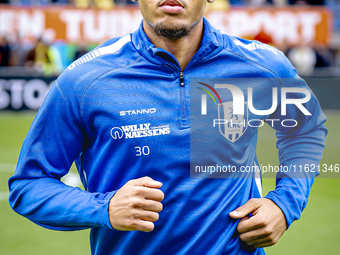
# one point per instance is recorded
(181, 79)
(184, 109)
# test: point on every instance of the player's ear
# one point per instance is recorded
(210, 1)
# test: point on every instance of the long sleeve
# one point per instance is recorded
(299, 147)
(54, 141)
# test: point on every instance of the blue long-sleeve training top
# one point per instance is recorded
(122, 112)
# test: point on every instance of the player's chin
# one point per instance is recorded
(174, 19)
(171, 23)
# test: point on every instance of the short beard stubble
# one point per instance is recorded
(173, 33)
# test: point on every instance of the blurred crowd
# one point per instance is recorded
(48, 57)
(307, 57)
(34, 54)
(110, 3)
(103, 4)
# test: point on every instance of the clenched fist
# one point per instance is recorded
(136, 205)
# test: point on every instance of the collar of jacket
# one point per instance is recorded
(212, 44)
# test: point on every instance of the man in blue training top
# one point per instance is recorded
(121, 112)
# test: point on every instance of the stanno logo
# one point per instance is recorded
(133, 112)
(138, 131)
(256, 46)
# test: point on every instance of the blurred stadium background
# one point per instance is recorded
(40, 38)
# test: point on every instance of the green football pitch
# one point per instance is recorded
(317, 232)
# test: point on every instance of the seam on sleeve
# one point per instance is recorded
(111, 70)
(281, 148)
(257, 64)
(60, 90)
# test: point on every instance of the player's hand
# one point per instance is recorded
(266, 225)
(136, 205)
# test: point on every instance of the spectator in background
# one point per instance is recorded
(303, 58)
(237, 2)
(307, 2)
(101, 4)
(38, 57)
(337, 58)
(44, 58)
(19, 48)
(122, 2)
(30, 2)
(259, 2)
(81, 50)
(4, 52)
(25, 45)
(219, 5)
(324, 57)
(60, 1)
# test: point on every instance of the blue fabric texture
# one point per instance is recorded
(99, 100)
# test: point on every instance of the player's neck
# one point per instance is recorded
(184, 48)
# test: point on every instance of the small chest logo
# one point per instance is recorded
(138, 131)
(141, 111)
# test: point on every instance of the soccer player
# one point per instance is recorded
(121, 112)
